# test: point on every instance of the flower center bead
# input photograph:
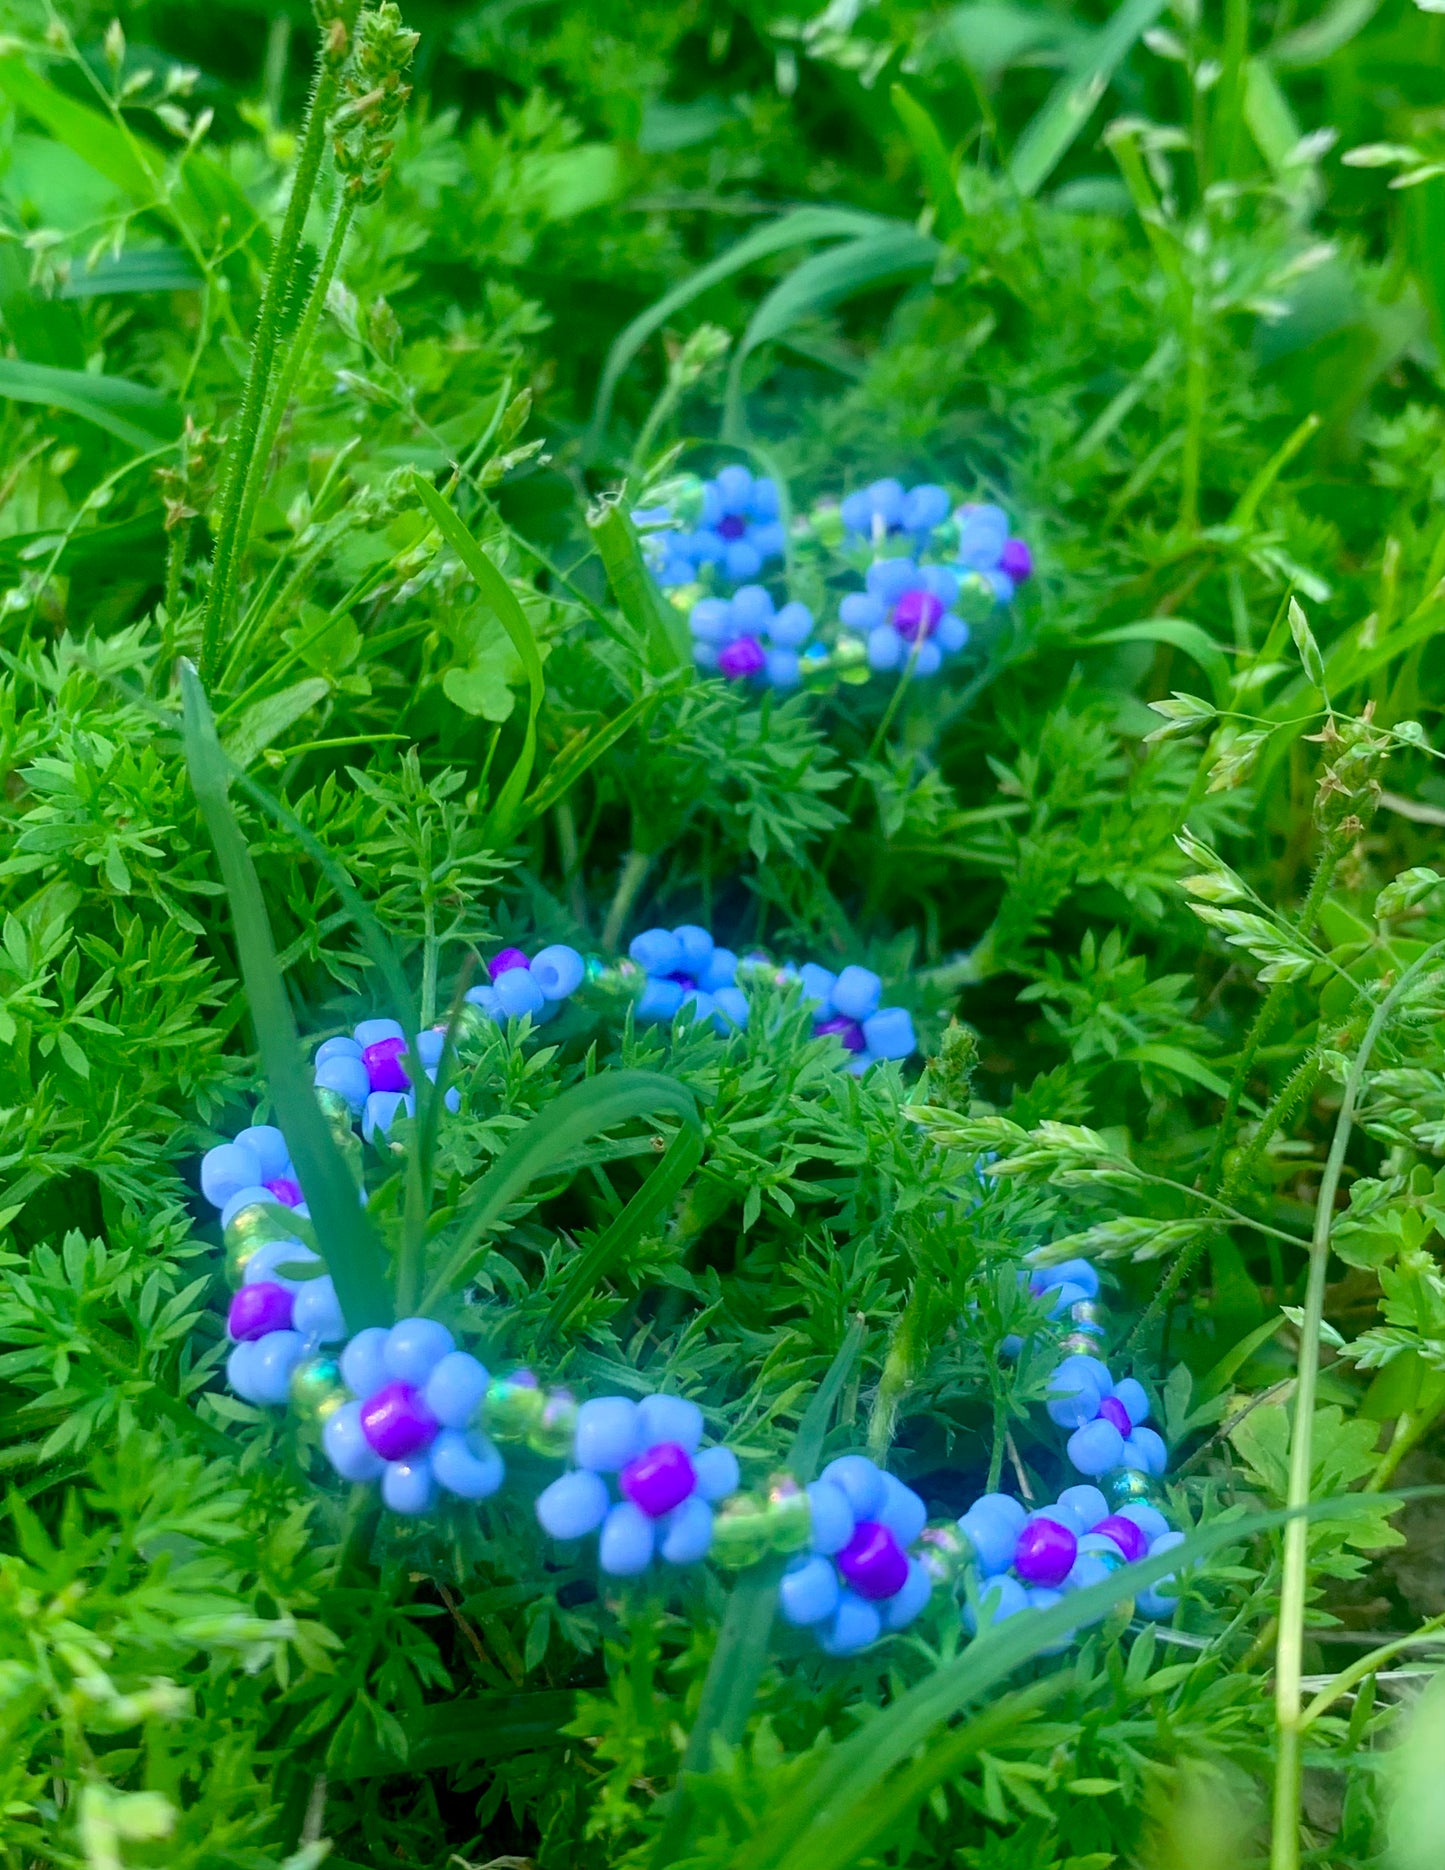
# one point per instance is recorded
(1045, 1552)
(285, 1190)
(259, 1309)
(742, 657)
(396, 1421)
(915, 614)
(384, 1067)
(732, 526)
(1112, 1410)
(848, 1030)
(1129, 1538)
(873, 1562)
(504, 962)
(658, 1479)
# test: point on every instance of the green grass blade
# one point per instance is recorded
(135, 414)
(1178, 633)
(572, 1120)
(596, 1260)
(348, 1239)
(575, 758)
(798, 229)
(500, 597)
(886, 254)
(661, 625)
(934, 162)
(1050, 135)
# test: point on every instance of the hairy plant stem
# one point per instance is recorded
(905, 1349)
(221, 596)
(635, 867)
(1294, 1579)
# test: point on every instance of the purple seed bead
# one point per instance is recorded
(384, 1067)
(848, 1030)
(397, 1422)
(1045, 1553)
(873, 1562)
(732, 526)
(658, 1479)
(915, 614)
(258, 1310)
(1112, 1410)
(1131, 1540)
(505, 961)
(1016, 561)
(743, 657)
(286, 1191)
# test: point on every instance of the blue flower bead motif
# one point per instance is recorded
(904, 613)
(533, 986)
(372, 1070)
(276, 1320)
(887, 509)
(847, 1006)
(745, 638)
(857, 1581)
(666, 1484)
(684, 967)
(254, 1166)
(986, 548)
(1107, 1418)
(411, 1420)
(737, 529)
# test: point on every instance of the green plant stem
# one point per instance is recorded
(635, 867)
(569, 851)
(263, 353)
(1294, 1580)
(855, 791)
(1411, 1427)
(908, 1342)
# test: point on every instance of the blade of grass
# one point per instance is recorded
(934, 162)
(132, 412)
(661, 625)
(349, 1242)
(1049, 136)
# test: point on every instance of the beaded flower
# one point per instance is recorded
(744, 637)
(535, 987)
(847, 1006)
(985, 547)
(1107, 1418)
(906, 611)
(411, 1417)
(731, 522)
(856, 1580)
(255, 1166)
(886, 509)
(666, 1483)
(369, 1071)
(684, 965)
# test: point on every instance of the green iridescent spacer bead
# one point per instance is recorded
(251, 1227)
(1130, 1486)
(850, 658)
(334, 1107)
(472, 1024)
(553, 1432)
(1087, 1313)
(513, 1408)
(976, 599)
(789, 1515)
(614, 980)
(741, 1534)
(317, 1390)
(945, 1552)
(1080, 1344)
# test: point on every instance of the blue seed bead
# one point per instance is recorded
(656, 951)
(695, 1005)
(889, 1034)
(245, 1198)
(1087, 1505)
(317, 1311)
(1130, 1392)
(1092, 1568)
(856, 1624)
(924, 507)
(342, 1047)
(518, 993)
(927, 658)
(276, 1356)
(226, 1169)
(752, 610)
(660, 1000)
(782, 668)
(363, 1362)
(1067, 1272)
(1064, 1296)
(720, 970)
(485, 1000)
(269, 1147)
(711, 620)
(818, 983)
(558, 971)
(407, 1486)
(792, 626)
(669, 1418)
(730, 1010)
(241, 1374)
(809, 1591)
(414, 1348)
(717, 1473)
(1144, 1449)
(856, 992)
(1150, 1521)
(1096, 1447)
(347, 1448)
(628, 1536)
(1167, 1541)
(950, 634)
(348, 1076)
(832, 1515)
(606, 1436)
(271, 1256)
(982, 535)
(455, 1388)
(901, 1609)
(861, 1481)
(695, 944)
(1061, 1516)
(1075, 1392)
(885, 648)
(467, 1465)
(373, 1031)
(574, 1505)
(999, 1599)
(903, 1513)
(381, 1111)
(429, 1047)
(993, 1524)
(686, 1533)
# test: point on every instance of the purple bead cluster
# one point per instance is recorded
(641, 1479)
(371, 1071)
(857, 1581)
